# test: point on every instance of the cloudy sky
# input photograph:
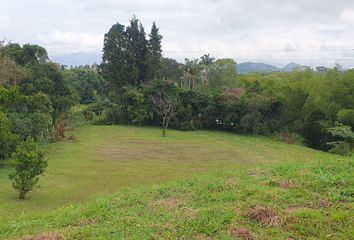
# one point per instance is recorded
(311, 32)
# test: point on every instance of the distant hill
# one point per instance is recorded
(249, 67)
(291, 67)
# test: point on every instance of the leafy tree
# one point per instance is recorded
(346, 136)
(222, 74)
(205, 61)
(137, 52)
(87, 83)
(7, 139)
(26, 55)
(191, 74)
(171, 69)
(11, 73)
(21, 125)
(47, 78)
(135, 106)
(154, 54)
(346, 116)
(257, 106)
(114, 60)
(29, 165)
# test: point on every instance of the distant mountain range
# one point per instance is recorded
(76, 59)
(249, 67)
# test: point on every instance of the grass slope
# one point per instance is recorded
(307, 200)
(108, 158)
(255, 188)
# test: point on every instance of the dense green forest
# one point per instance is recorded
(135, 84)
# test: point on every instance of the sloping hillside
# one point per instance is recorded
(251, 188)
(307, 200)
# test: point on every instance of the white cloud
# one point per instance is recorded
(243, 29)
(5, 22)
(69, 42)
(347, 15)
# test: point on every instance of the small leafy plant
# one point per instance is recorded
(29, 164)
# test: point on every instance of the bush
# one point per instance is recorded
(41, 125)
(74, 120)
(346, 116)
(29, 164)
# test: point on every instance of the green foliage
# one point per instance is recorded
(74, 119)
(346, 139)
(21, 125)
(26, 55)
(8, 140)
(113, 66)
(346, 116)
(29, 164)
(41, 125)
(135, 106)
(29, 116)
(87, 83)
(11, 73)
(128, 57)
(222, 74)
(171, 69)
(154, 54)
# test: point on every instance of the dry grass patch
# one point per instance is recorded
(86, 222)
(241, 233)
(266, 216)
(167, 202)
(200, 236)
(257, 173)
(45, 236)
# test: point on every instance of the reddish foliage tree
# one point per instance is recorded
(59, 129)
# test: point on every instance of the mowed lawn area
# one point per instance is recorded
(106, 159)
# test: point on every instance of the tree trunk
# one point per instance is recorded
(22, 195)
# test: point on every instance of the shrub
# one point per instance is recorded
(29, 164)
(74, 120)
(346, 116)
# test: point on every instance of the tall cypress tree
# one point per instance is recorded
(114, 60)
(154, 53)
(128, 57)
(143, 51)
(137, 48)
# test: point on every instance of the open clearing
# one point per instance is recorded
(228, 186)
(108, 158)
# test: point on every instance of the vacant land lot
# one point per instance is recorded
(105, 159)
(255, 188)
(254, 182)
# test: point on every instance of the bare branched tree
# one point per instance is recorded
(165, 107)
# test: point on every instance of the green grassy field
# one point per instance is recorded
(201, 185)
